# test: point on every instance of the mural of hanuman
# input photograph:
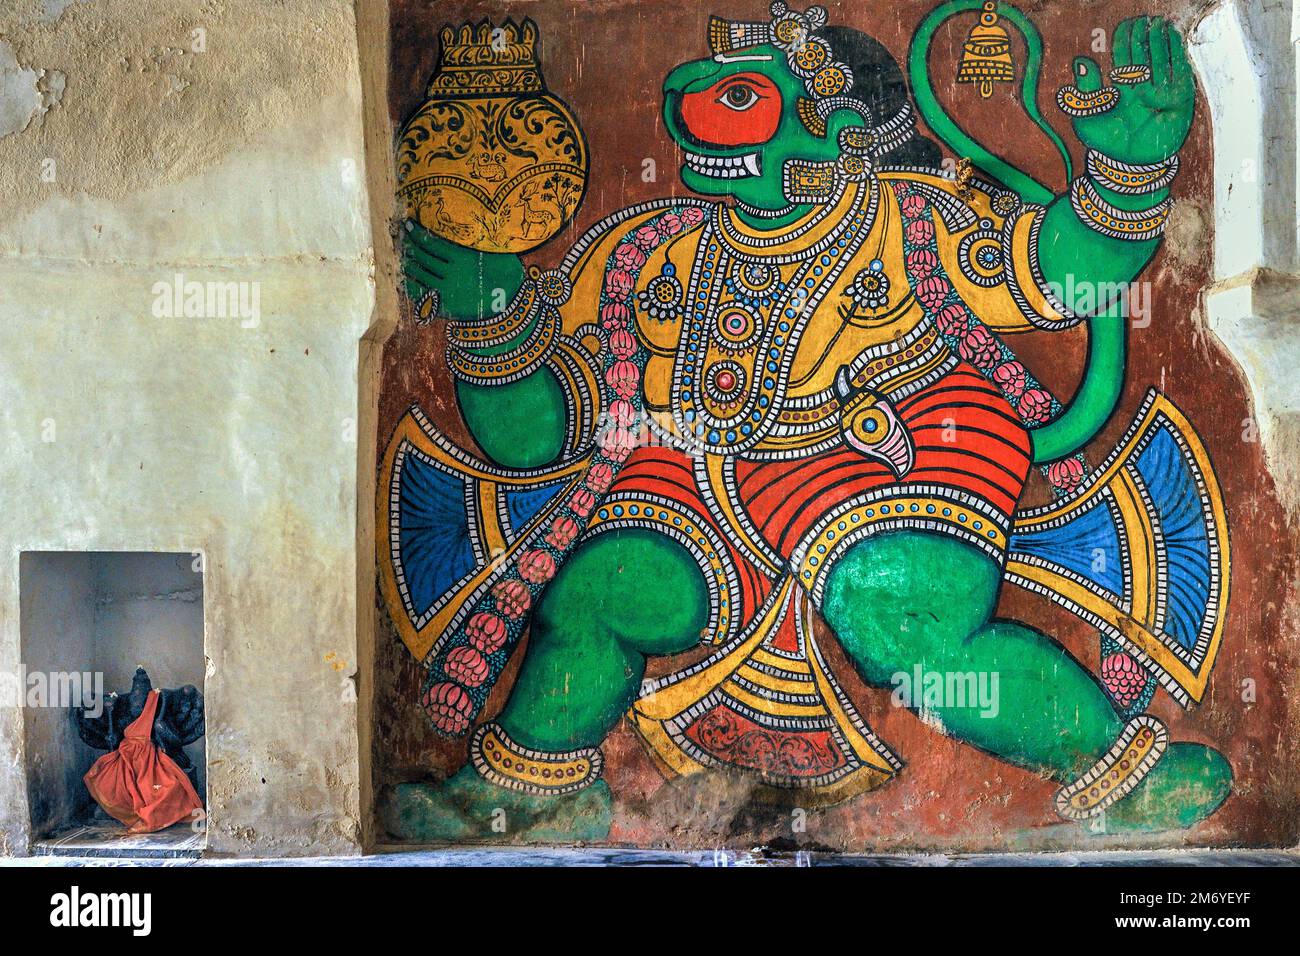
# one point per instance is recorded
(720, 417)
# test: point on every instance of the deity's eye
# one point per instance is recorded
(743, 109)
(739, 97)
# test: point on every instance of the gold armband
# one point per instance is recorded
(1129, 179)
(1102, 217)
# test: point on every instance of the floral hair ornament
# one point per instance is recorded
(826, 80)
(794, 34)
(808, 55)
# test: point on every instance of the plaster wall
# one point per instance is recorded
(58, 622)
(221, 142)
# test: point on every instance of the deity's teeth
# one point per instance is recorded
(725, 167)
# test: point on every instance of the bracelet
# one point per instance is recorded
(536, 307)
(1102, 217)
(510, 366)
(1129, 179)
(527, 310)
(503, 326)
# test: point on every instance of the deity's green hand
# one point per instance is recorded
(468, 284)
(1153, 117)
(519, 424)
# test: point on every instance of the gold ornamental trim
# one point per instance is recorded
(1142, 743)
(486, 60)
(506, 763)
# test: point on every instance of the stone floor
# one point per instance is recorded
(111, 840)
(490, 857)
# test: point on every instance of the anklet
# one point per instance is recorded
(1114, 776)
(500, 760)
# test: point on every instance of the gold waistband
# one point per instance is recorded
(893, 376)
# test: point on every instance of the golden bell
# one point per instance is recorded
(986, 57)
(491, 160)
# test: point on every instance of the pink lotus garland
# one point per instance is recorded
(469, 662)
(1124, 677)
(1068, 473)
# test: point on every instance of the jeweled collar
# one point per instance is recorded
(808, 235)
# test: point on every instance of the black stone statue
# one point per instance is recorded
(179, 720)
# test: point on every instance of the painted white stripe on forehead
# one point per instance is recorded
(759, 57)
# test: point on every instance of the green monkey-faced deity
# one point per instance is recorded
(789, 397)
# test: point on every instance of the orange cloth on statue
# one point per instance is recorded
(140, 785)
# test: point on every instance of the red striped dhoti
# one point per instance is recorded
(972, 457)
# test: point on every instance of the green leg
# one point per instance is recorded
(903, 600)
(620, 597)
(624, 595)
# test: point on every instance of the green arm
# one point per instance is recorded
(1089, 270)
(1090, 273)
(520, 424)
(1149, 124)
(1097, 396)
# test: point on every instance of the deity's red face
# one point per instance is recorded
(743, 109)
(735, 117)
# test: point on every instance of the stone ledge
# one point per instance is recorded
(1256, 315)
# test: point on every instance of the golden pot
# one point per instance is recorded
(491, 161)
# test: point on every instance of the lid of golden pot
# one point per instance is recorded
(491, 160)
(483, 60)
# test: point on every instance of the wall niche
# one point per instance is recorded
(89, 620)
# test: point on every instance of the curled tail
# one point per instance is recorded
(950, 132)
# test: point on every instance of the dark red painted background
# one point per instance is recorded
(607, 58)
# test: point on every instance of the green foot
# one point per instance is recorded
(1189, 783)
(468, 809)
